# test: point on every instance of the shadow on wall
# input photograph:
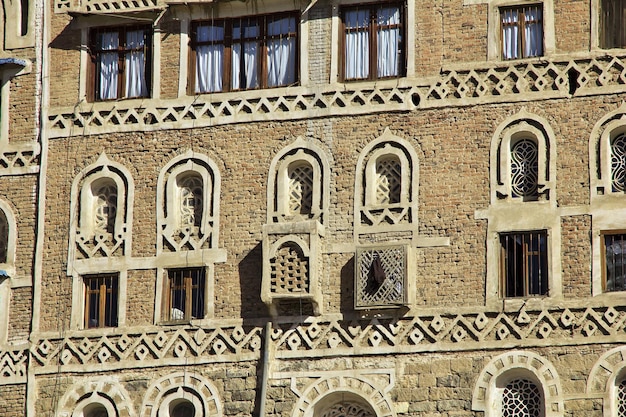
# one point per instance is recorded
(250, 276)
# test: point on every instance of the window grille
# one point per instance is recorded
(300, 189)
(522, 31)
(521, 398)
(612, 28)
(380, 277)
(621, 399)
(106, 209)
(191, 194)
(615, 262)
(289, 271)
(388, 180)
(524, 263)
(101, 300)
(524, 168)
(348, 409)
(4, 237)
(184, 298)
(618, 163)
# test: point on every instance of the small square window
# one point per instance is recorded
(373, 42)
(184, 294)
(612, 24)
(614, 259)
(120, 62)
(524, 263)
(522, 31)
(101, 300)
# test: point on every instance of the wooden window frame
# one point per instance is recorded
(94, 53)
(525, 259)
(373, 40)
(186, 286)
(612, 33)
(521, 24)
(228, 43)
(603, 237)
(108, 314)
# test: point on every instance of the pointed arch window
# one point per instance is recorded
(388, 180)
(191, 200)
(300, 175)
(524, 168)
(105, 207)
(4, 237)
(618, 163)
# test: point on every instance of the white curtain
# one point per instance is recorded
(209, 59)
(250, 52)
(281, 52)
(388, 42)
(510, 34)
(135, 65)
(533, 32)
(357, 44)
(109, 66)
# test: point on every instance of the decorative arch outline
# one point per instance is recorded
(484, 397)
(600, 151)
(169, 387)
(11, 239)
(107, 392)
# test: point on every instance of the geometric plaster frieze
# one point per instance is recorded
(492, 82)
(106, 392)
(13, 365)
(517, 364)
(606, 369)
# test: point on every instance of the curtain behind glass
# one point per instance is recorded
(388, 42)
(108, 66)
(281, 52)
(209, 59)
(533, 32)
(135, 73)
(357, 44)
(249, 52)
(510, 34)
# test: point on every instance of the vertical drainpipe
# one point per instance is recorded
(266, 367)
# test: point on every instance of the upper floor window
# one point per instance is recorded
(524, 168)
(184, 294)
(524, 263)
(101, 300)
(244, 53)
(191, 199)
(300, 187)
(521, 398)
(522, 31)
(105, 207)
(612, 28)
(373, 41)
(614, 260)
(4, 237)
(120, 62)
(389, 180)
(618, 163)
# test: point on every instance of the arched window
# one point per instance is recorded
(95, 410)
(4, 237)
(348, 409)
(524, 168)
(300, 175)
(105, 206)
(388, 180)
(182, 409)
(190, 199)
(618, 163)
(521, 398)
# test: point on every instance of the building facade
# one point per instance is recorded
(305, 209)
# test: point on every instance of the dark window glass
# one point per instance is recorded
(524, 263)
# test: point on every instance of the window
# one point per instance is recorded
(101, 301)
(522, 31)
(244, 53)
(389, 180)
(614, 262)
(300, 187)
(184, 298)
(373, 37)
(618, 163)
(105, 207)
(4, 237)
(521, 398)
(524, 169)
(191, 196)
(524, 265)
(183, 409)
(612, 24)
(120, 59)
(621, 399)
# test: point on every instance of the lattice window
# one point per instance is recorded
(524, 168)
(349, 409)
(4, 237)
(300, 188)
(618, 163)
(289, 270)
(190, 201)
(381, 277)
(106, 208)
(388, 180)
(521, 398)
(621, 399)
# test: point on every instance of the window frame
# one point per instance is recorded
(187, 275)
(373, 40)
(94, 53)
(521, 24)
(603, 255)
(262, 63)
(543, 258)
(102, 291)
(602, 26)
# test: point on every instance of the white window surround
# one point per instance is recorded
(86, 394)
(605, 375)
(372, 175)
(595, 25)
(191, 12)
(77, 321)
(487, 395)
(515, 215)
(494, 33)
(335, 45)
(11, 37)
(9, 265)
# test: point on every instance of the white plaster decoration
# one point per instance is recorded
(505, 373)
(13, 363)
(378, 207)
(381, 276)
(607, 379)
(492, 82)
(15, 36)
(8, 237)
(165, 393)
(85, 397)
